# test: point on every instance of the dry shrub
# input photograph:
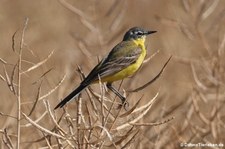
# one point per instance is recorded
(100, 124)
(94, 120)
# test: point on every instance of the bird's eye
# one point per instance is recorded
(138, 33)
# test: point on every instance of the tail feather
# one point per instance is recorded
(71, 96)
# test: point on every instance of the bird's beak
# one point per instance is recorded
(150, 32)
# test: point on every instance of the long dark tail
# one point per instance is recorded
(71, 96)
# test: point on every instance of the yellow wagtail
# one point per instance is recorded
(123, 60)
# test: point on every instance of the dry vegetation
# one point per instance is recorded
(47, 47)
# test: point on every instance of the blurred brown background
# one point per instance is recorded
(81, 31)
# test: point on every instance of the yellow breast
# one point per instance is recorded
(130, 70)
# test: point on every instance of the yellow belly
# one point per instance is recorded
(130, 70)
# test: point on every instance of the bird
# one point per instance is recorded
(121, 62)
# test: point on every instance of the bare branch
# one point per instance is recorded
(37, 120)
(39, 127)
(132, 109)
(36, 100)
(141, 115)
(3, 61)
(152, 124)
(19, 83)
(2, 114)
(7, 140)
(38, 64)
(210, 10)
(44, 74)
(13, 41)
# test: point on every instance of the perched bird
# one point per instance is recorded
(122, 61)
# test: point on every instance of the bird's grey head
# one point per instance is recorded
(135, 33)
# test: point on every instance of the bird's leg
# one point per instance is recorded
(123, 99)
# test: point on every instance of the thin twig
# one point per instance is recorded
(130, 141)
(152, 124)
(13, 40)
(141, 115)
(19, 83)
(3, 114)
(8, 81)
(3, 61)
(132, 109)
(36, 121)
(153, 80)
(7, 140)
(83, 18)
(47, 106)
(36, 100)
(44, 74)
(12, 78)
(39, 64)
(42, 128)
(49, 92)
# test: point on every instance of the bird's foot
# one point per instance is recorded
(124, 104)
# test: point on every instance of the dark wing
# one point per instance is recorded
(121, 56)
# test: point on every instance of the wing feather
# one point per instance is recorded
(121, 56)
